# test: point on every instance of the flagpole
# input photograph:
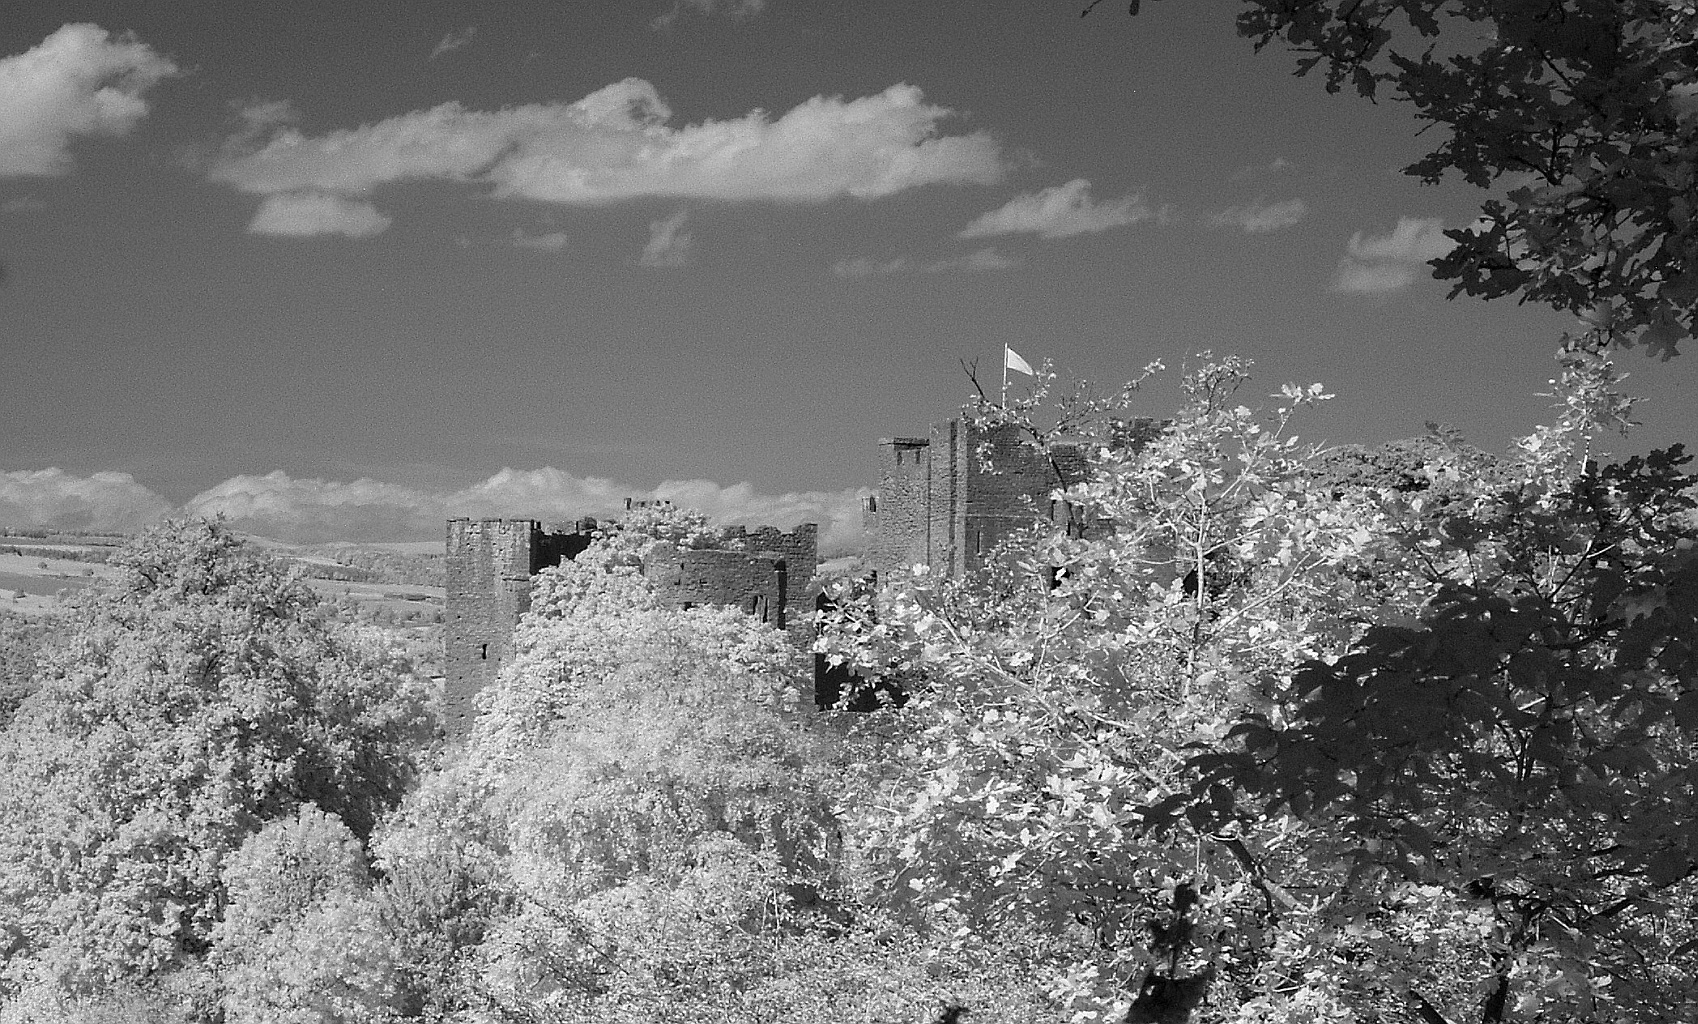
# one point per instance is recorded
(1005, 375)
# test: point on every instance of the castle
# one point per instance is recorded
(939, 503)
(491, 562)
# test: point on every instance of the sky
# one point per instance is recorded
(338, 272)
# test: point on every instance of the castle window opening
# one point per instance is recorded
(483, 652)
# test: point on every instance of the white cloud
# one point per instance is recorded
(312, 511)
(78, 81)
(1390, 262)
(549, 241)
(304, 214)
(737, 10)
(669, 244)
(977, 260)
(55, 498)
(453, 41)
(1260, 218)
(865, 266)
(1278, 165)
(1059, 212)
(838, 513)
(615, 145)
(260, 117)
(306, 510)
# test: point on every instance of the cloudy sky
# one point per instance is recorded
(340, 273)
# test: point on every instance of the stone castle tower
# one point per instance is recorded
(939, 504)
(488, 587)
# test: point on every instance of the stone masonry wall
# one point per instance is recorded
(896, 520)
(1001, 499)
(799, 550)
(488, 583)
(488, 587)
(754, 584)
(937, 503)
(944, 495)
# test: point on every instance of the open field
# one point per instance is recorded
(40, 580)
(31, 584)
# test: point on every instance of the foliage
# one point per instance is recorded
(21, 639)
(195, 695)
(185, 996)
(1287, 739)
(301, 941)
(640, 829)
(624, 541)
(1052, 698)
(1587, 110)
(440, 893)
(1527, 743)
(630, 762)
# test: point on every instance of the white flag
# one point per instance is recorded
(1011, 359)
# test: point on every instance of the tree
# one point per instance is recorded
(1583, 112)
(642, 789)
(301, 940)
(1288, 739)
(1054, 696)
(20, 640)
(1525, 744)
(195, 695)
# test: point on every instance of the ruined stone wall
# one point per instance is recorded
(756, 584)
(491, 563)
(799, 550)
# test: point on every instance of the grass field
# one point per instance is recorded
(31, 584)
(40, 580)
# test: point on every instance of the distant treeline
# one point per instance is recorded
(69, 554)
(83, 538)
(367, 566)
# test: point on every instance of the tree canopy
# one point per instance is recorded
(194, 696)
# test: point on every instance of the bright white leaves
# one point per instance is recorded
(78, 81)
(615, 145)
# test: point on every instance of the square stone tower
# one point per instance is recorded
(488, 586)
(940, 505)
